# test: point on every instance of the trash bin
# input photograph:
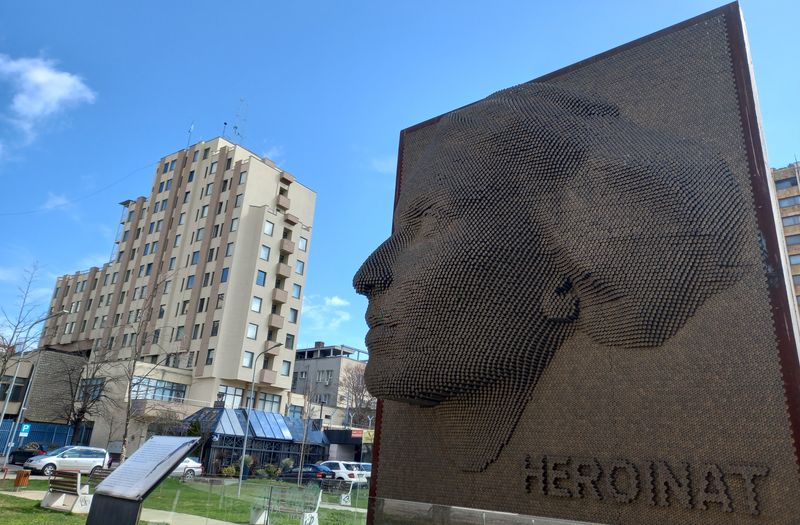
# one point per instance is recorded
(23, 476)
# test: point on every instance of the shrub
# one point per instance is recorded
(287, 464)
(270, 470)
(229, 471)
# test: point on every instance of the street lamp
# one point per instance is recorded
(30, 384)
(250, 403)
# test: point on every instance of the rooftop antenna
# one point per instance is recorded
(241, 120)
(189, 133)
(224, 126)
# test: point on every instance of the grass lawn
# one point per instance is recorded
(220, 502)
(18, 511)
(198, 498)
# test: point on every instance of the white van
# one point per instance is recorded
(83, 459)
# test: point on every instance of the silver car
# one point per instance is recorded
(188, 468)
(83, 459)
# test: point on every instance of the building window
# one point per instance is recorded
(171, 263)
(204, 212)
(796, 279)
(237, 202)
(252, 330)
(296, 290)
(190, 282)
(299, 267)
(289, 341)
(789, 201)
(264, 252)
(172, 164)
(195, 258)
(293, 315)
(182, 218)
(785, 183)
(268, 228)
(179, 333)
(232, 396)
(234, 224)
(199, 235)
(261, 277)
(186, 196)
(791, 220)
(195, 155)
(791, 240)
(205, 153)
(247, 360)
(210, 356)
(794, 259)
(286, 368)
(213, 167)
(151, 388)
(255, 304)
(224, 277)
(177, 240)
(269, 402)
(302, 244)
(243, 177)
(229, 249)
(214, 328)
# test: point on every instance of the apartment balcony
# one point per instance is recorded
(272, 349)
(286, 246)
(283, 202)
(284, 270)
(287, 178)
(275, 321)
(291, 219)
(280, 296)
(268, 376)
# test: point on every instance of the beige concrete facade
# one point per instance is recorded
(787, 188)
(318, 378)
(208, 272)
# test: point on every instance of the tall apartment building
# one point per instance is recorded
(208, 272)
(787, 186)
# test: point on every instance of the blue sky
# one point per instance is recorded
(92, 94)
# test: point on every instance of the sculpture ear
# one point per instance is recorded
(561, 303)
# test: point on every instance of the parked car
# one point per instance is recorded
(311, 474)
(367, 468)
(346, 470)
(84, 459)
(188, 468)
(21, 455)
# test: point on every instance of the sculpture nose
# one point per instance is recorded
(377, 272)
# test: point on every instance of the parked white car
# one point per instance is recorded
(346, 470)
(83, 459)
(188, 468)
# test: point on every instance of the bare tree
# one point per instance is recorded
(120, 362)
(79, 391)
(17, 322)
(360, 403)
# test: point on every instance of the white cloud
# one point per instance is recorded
(323, 318)
(383, 165)
(38, 92)
(55, 202)
(336, 301)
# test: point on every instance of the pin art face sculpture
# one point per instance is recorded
(529, 215)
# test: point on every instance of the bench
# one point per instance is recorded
(97, 476)
(66, 493)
